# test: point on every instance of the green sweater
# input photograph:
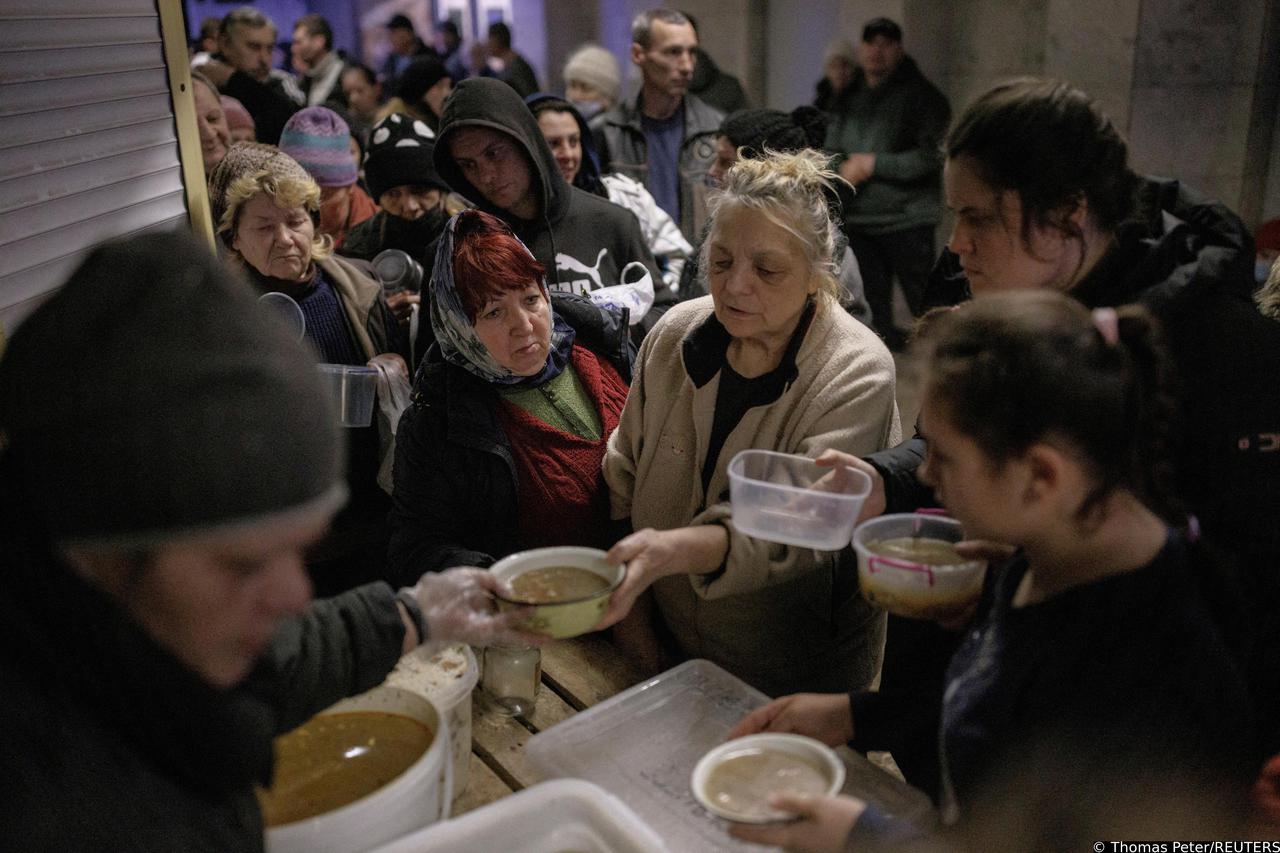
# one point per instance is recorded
(561, 402)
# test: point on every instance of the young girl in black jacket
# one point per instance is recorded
(1093, 663)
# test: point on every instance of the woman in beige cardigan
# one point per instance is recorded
(767, 361)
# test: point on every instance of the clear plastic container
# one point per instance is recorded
(354, 389)
(551, 817)
(445, 676)
(790, 499)
(911, 588)
(642, 745)
(283, 306)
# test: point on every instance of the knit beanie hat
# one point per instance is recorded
(248, 158)
(596, 67)
(321, 143)
(756, 130)
(181, 406)
(400, 152)
(423, 73)
(841, 48)
(238, 117)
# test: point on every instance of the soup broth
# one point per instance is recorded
(557, 583)
(913, 549)
(742, 783)
(335, 759)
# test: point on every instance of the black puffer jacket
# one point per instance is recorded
(1190, 261)
(454, 499)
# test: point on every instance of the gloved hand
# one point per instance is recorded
(458, 606)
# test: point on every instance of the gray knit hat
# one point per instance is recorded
(248, 158)
(152, 398)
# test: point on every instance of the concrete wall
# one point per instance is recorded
(1193, 91)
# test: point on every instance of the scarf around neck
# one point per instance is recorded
(456, 334)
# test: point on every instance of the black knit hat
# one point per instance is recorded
(756, 130)
(400, 152)
(423, 73)
(152, 398)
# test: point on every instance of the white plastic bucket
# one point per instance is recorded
(420, 795)
(430, 672)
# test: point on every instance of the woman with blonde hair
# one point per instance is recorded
(267, 210)
(769, 361)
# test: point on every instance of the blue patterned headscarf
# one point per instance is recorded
(456, 334)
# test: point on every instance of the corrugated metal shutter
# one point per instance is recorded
(88, 149)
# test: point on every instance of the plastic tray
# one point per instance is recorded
(642, 745)
(567, 814)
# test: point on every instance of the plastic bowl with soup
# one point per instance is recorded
(908, 564)
(735, 779)
(568, 588)
(367, 770)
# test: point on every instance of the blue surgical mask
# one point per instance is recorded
(1261, 269)
(588, 109)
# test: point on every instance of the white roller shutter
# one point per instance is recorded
(88, 141)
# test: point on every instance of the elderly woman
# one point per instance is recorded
(770, 361)
(502, 445)
(267, 210)
(211, 121)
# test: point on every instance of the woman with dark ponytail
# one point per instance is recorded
(1044, 198)
(1092, 650)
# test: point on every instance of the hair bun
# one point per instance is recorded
(813, 122)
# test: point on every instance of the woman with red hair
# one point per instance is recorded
(501, 449)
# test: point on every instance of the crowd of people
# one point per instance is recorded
(617, 295)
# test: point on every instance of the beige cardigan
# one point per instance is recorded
(781, 617)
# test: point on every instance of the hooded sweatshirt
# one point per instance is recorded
(661, 234)
(584, 241)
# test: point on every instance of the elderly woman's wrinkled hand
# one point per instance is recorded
(823, 826)
(875, 503)
(458, 606)
(652, 554)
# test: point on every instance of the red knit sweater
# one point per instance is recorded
(561, 497)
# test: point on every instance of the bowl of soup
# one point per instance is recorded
(568, 588)
(734, 780)
(365, 771)
(908, 564)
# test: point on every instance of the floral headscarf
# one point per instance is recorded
(456, 334)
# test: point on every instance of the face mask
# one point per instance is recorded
(1261, 269)
(588, 109)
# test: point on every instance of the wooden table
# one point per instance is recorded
(576, 674)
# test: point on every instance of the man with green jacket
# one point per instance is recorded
(886, 126)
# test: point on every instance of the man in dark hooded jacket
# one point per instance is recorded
(491, 150)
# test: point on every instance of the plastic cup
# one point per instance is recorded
(354, 389)
(782, 497)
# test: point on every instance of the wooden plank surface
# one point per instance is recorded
(499, 740)
(586, 670)
(483, 786)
